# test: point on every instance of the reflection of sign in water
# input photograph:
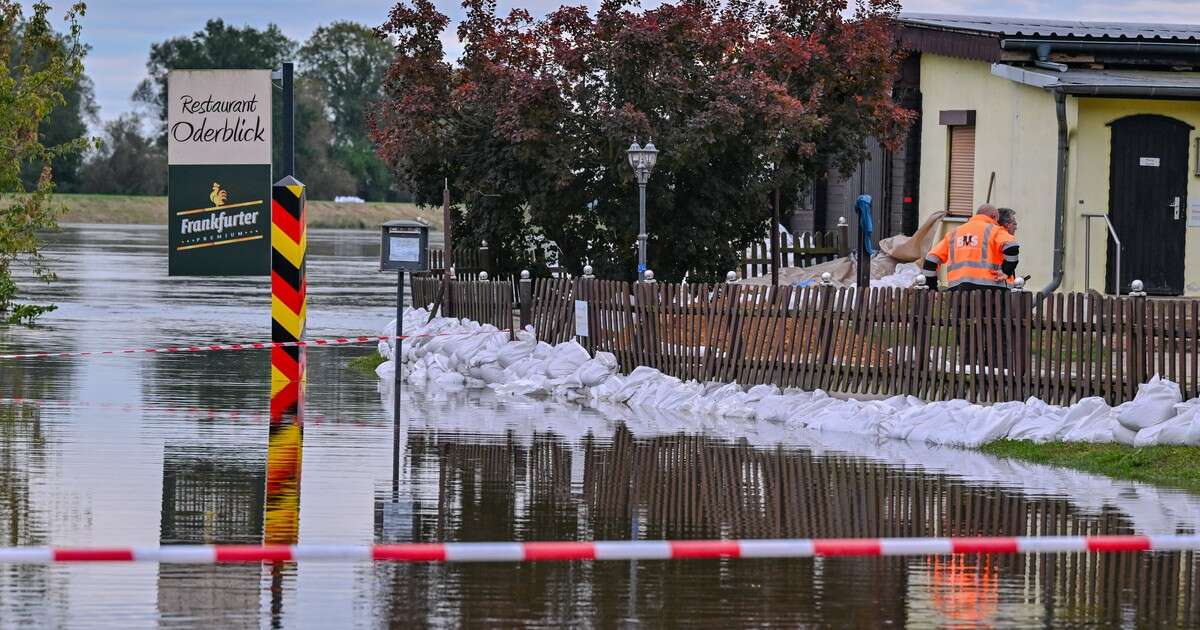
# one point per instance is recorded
(219, 178)
(405, 249)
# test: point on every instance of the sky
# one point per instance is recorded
(120, 32)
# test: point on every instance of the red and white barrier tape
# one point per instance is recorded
(601, 550)
(256, 345)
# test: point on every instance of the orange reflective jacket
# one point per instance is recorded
(974, 253)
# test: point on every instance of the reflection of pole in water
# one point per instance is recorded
(281, 508)
(284, 442)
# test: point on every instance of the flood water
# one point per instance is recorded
(151, 449)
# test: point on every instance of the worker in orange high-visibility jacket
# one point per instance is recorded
(978, 254)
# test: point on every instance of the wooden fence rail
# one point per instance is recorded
(802, 250)
(980, 346)
(484, 302)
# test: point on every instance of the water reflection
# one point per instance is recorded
(536, 485)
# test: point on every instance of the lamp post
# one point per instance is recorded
(642, 159)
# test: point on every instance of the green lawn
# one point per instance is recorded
(129, 209)
(1174, 466)
(366, 364)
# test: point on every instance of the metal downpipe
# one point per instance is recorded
(1060, 196)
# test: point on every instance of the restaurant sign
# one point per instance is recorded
(219, 172)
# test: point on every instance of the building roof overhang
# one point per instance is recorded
(1111, 83)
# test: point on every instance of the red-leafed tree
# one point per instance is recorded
(530, 125)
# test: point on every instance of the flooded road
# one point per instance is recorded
(167, 449)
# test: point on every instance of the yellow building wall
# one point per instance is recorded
(1090, 177)
(1016, 136)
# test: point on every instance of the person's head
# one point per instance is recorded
(1007, 218)
(987, 210)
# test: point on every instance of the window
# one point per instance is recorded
(960, 189)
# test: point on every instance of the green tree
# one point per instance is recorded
(39, 68)
(323, 176)
(531, 123)
(126, 161)
(347, 62)
(66, 122)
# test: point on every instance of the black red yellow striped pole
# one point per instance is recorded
(289, 240)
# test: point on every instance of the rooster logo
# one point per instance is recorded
(218, 196)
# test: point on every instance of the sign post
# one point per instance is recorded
(404, 247)
(219, 172)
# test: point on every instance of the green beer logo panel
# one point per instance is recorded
(219, 179)
(220, 220)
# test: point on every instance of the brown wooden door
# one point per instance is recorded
(1147, 203)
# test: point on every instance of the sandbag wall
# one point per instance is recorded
(981, 346)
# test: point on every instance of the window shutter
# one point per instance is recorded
(961, 194)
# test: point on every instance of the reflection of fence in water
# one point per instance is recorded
(686, 486)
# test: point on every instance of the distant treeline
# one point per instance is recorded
(340, 73)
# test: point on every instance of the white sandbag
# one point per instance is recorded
(604, 392)
(1122, 435)
(565, 359)
(517, 349)
(520, 386)
(758, 392)
(488, 373)
(386, 371)
(988, 424)
(774, 408)
(937, 423)
(593, 372)
(1089, 420)
(1176, 430)
(1154, 403)
(676, 397)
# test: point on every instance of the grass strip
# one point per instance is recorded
(1173, 466)
(366, 364)
(140, 210)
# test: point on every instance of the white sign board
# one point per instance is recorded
(581, 318)
(219, 117)
(404, 249)
(1193, 218)
(1149, 161)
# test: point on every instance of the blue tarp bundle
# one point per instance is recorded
(866, 225)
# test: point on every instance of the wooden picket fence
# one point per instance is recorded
(484, 302)
(801, 250)
(981, 346)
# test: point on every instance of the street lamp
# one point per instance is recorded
(642, 159)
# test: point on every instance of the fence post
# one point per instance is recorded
(526, 297)
(843, 237)
(1139, 343)
(485, 257)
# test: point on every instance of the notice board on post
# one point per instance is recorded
(219, 172)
